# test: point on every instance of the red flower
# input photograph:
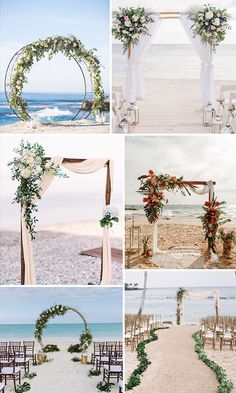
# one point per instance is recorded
(217, 203)
(150, 172)
(145, 199)
(207, 204)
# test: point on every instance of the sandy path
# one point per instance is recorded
(175, 366)
(170, 106)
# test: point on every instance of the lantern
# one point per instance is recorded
(125, 124)
(217, 123)
(84, 359)
(208, 115)
(227, 129)
(133, 114)
(41, 357)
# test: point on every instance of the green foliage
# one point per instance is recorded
(28, 167)
(105, 386)
(86, 339)
(130, 24)
(51, 348)
(107, 221)
(93, 373)
(30, 375)
(45, 316)
(226, 385)
(70, 47)
(25, 387)
(75, 359)
(134, 379)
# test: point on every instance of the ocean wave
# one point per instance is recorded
(51, 112)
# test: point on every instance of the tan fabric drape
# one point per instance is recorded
(83, 167)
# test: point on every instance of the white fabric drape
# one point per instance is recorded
(134, 83)
(202, 295)
(83, 167)
(204, 51)
(209, 187)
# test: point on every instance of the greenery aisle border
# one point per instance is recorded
(225, 384)
(144, 362)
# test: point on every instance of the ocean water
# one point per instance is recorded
(62, 332)
(172, 61)
(48, 107)
(162, 301)
(180, 211)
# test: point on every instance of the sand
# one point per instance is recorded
(227, 360)
(175, 366)
(63, 127)
(171, 106)
(57, 255)
(183, 243)
(60, 374)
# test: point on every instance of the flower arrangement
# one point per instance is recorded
(28, 167)
(227, 236)
(153, 186)
(210, 24)
(110, 215)
(212, 220)
(71, 47)
(24, 387)
(104, 386)
(129, 24)
(86, 339)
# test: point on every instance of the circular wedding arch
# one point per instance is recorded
(50, 313)
(23, 60)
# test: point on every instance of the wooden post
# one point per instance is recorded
(22, 259)
(107, 201)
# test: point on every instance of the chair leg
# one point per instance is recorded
(14, 381)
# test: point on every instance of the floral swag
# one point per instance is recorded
(152, 187)
(28, 167)
(59, 310)
(71, 47)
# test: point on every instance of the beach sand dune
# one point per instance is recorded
(57, 259)
(175, 366)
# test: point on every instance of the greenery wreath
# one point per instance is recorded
(71, 47)
(86, 337)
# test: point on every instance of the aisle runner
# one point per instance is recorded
(180, 257)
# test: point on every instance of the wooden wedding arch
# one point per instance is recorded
(107, 202)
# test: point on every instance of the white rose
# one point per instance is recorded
(216, 22)
(209, 15)
(25, 173)
(48, 165)
(135, 18)
(127, 23)
(112, 210)
(37, 169)
(29, 159)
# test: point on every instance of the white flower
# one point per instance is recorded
(213, 27)
(209, 15)
(216, 22)
(111, 210)
(48, 165)
(127, 23)
(37, 169)
(29, 159)
(25, 173)
(135, 18)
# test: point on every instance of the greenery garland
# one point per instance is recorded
(152, 187)
(28, 167)
(209, 23)
(226, 385)
(86, 337)
(130, 24)
(144, 362)
(69, 46)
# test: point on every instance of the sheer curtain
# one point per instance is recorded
(84, 167)
(134, 83)
(204, 51)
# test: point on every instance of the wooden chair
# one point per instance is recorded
(103, 357)
(114, 369)
(20, 358)
(96, 350)
(13, 344)
(121, 386)
(227, 339)
(2, 387)
(11, 373)
(29, 350)
(208, 336)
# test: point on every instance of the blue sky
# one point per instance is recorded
(23, 305)
(23, 22)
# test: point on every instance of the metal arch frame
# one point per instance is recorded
(12, 64)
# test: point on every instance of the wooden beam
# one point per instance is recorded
(169, 17)
(22, 259)
(198, 183)
(72, 160)
(107, 201)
